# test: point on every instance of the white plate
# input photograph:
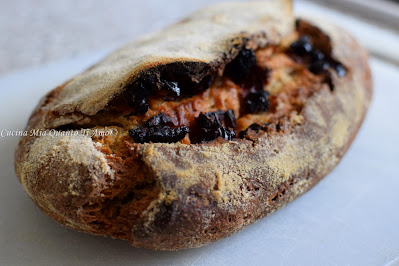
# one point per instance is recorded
(350, 217)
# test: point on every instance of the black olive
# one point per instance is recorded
(318, 67)
(256, 79)
(216, 124)
(257, 102)
(340, 69)
(241, 65)
(230, 119)
(217, 119)
(159, 119)
(204, 84)
(142, 89)
(156, 129)
(171, 86)
(316, 61)
(206, 121)
(158, 134)
(226, 133)
(141, 106)
(302, 46)
(208, 134)
(316, 55)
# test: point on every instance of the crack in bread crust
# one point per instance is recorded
(173, 196)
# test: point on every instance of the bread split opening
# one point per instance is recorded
(261, 90)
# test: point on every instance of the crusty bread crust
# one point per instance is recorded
(215, 36)
(201, 192)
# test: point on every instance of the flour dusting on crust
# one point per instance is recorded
(172, 196)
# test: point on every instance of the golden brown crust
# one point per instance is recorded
(192, 194)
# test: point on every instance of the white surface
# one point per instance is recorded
(378, 40)
(351, 217)
(37, 32)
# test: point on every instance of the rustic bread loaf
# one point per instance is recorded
(185, 136)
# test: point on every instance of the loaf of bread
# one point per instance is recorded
(185, 136)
